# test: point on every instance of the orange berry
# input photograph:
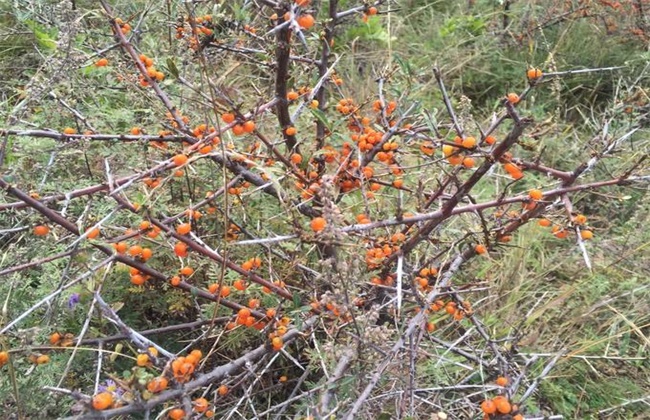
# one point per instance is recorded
(102, 62)
(102, 401)
(142, 360)
(502, 381)
(533, 74)
(249, 126)
(239, 284)
(180, 160)
(228, 118)
(205, 149)
(225, 291)
(513, 98)
(586, 234)
(468, 162)
(180, 249)
(93, 233)
(580, 219)
(480, 249)
(536, 194)
(372, 10)
(431, 327)
(175, 281)
(200, 405)
(488, 407)
(254, 303)
(222, 390)
(176, 414)
(238, 129)
(398, 183)
(296, 158)
(277, 343)
(544, 222)
(41, 230)
(244, 313)
(135, 250)
(293, 95)
(306, 21)
(290, 131)
(55, 338)
(187, 271)
(4, 358)
(318, 224)
(490, 140)
(518, 417)
(69, 130)
(469, 142)
(158, 384)
(183, 228)
(138, 280)
(503, 406)
(146, 254)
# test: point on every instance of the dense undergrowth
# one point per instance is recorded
(325, 239)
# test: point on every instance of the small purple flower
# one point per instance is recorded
(111, 387)
(73, 300)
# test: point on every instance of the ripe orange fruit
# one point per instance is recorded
(536, 194)
(469, 142)
(41, 230)
(239, 284)
(502, 405)
(533, 74)
(183, 228)
(175, 281)
(222, 390)
(146, 254)
(490, 140)
(290, 131)
(176, 414)
(142, 360)
(93, 233)
(4, 358)
(180, 160)
(238, 130)
(200, 405)
(102, 62)
(138, 280)
(228, 117)
(293, 95)
(580, 219)
(135, 250)
(180, 249)
(318, 224)
(69, 130)
(102, 401)
(502, 381)
(372, 10)
(187, 271)
(513, 98)
(544, 222)
(480, 249)
(277, 343)
(158, 384)
(55, 338)
(306, 21)
(249, 126)
(296, 158)
(586, 234)
(488, 407)
(468, 162)
(42, 359)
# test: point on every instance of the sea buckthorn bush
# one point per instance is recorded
(310, 209)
